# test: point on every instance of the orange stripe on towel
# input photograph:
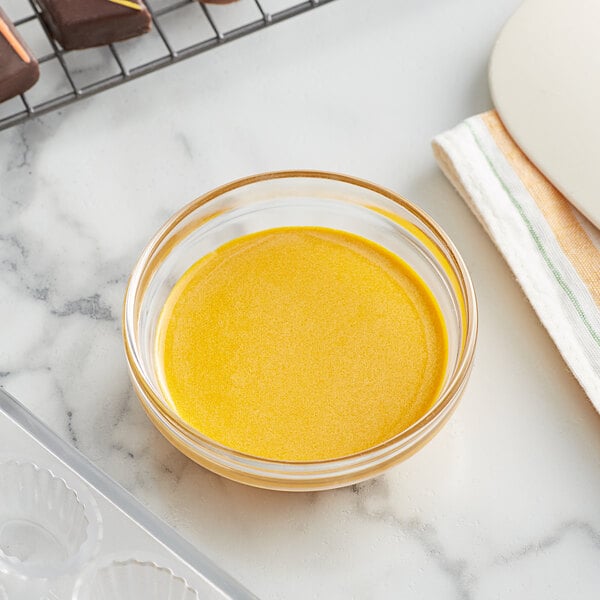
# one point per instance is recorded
(558, 212)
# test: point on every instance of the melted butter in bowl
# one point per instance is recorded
(299, 330)
(301, 344)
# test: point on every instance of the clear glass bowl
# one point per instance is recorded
(297, 198)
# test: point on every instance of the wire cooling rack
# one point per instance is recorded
(181, 29)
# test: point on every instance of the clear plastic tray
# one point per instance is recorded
(67, 531)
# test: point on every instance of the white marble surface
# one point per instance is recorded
(505, 502)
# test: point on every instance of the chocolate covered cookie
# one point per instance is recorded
(79, 24)
(19, 70)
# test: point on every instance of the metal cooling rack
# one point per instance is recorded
(181, 29)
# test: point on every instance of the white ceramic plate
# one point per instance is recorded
(545, 83)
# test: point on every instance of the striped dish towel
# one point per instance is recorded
(553, 250)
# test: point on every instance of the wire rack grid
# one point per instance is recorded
(181, 29)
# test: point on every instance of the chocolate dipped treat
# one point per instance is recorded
(19, 70)
(77, 24)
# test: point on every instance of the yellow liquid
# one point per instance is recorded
(301, 343)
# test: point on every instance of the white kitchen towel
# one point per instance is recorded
(553, 250)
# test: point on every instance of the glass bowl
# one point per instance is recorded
(297, 198)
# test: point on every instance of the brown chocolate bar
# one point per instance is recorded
(87, 23)
(18, 68)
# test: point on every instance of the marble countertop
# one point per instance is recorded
(503, 503)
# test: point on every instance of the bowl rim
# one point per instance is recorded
(443, 404)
